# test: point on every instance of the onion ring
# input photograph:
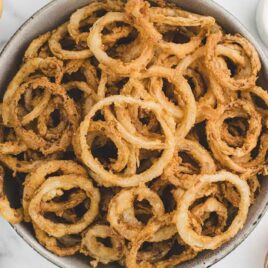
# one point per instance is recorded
(121, 213)
(92, 247)
(26, 70)
(144, 17)
(145, 235)
(85, 13)
(63, 54)
(65, 182)
(199, 242)
(95, 45)
(180, 175)
(35, 179)
(32, 139)
(202, 212)
(35, 46)
(134, 180)
(224, 78)
(51, 243)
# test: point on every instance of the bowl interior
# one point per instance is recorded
(57, 12)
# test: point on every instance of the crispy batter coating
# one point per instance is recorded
(135, 132)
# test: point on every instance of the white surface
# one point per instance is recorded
(262, 20)
(15, 253)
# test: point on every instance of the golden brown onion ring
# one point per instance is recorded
(35, 46)
(65, 182)
(31, 66)
(74, 199)
(234, 133)
(12, 147)
(127, 115)
(155, 251)
(39, 107)
(89, 96)
(97, 250)
(85, 13)
(121, 212)
(38, 142)
(63, 54)
(109, 131)
(203, 211)
(232, 157)
(200, 242)
(85, 69)
(185, 96)
(146, 234)
(212, 91)
(96, 46)
(178, 17)
(234, 109)
(106, 178)
(9, 143)
(230, 193)
(19, 165)
(180, 175)
(35, 179)
(224, 78)
(140, 12)
(52, 244)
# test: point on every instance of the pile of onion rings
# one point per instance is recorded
(134, 133)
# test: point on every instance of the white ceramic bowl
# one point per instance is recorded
(262, 20)
(57, 12)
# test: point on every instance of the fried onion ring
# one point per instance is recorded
(101, 174)
(223, 77)
(65, 182)
(183, 175)
(145, 235)
(95, 45)
(51, 243)
(39, 142)
(104, 254)
(35, 179)
(199, 242)
(121, 214)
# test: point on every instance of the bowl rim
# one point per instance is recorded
(264, 59)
